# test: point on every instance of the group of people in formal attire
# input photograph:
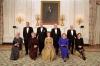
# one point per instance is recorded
(46, 44)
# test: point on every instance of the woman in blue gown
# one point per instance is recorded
(63, 44)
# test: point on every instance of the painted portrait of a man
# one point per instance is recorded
(50, 12)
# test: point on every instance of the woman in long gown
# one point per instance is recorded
(79, 43)
(48, 52)
(63, 44)
(16, 47)
(33, 46)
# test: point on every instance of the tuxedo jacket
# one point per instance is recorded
(25, 34)
(41, 35)
(54, 35)
(70, 36)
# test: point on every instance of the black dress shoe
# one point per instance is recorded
(64, 60)
(84, 58)
(34, 58)
(72, 53)
(67, 56)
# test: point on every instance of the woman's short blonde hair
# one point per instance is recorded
(64, 34)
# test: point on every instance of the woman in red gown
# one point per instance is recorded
(33, 46)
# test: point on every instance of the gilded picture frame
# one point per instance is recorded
(50, 12)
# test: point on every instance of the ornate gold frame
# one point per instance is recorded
(50, 23)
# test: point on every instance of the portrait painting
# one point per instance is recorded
(50, 12)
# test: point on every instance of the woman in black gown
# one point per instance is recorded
(79, 43)
(16, 47)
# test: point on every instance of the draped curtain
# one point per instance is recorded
(93, 20)
(97, 24)
(1, 21)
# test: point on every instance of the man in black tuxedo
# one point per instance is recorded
(56, 34)
(27, 34)
(71, 35)
(41, 35)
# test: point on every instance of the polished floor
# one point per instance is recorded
(92, 54)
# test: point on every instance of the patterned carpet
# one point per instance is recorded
(93, 59)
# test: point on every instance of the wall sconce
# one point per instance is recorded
(19, 19)
(62, 18)
(79, 20)
(37, 19)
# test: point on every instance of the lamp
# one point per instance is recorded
(62, 20)
(79, 20)
(19, 19)
(37, 19)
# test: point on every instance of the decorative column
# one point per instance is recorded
(92, 20)
(1, 21)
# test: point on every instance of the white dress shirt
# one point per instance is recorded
(27, 29)
(41, 29)
(72, 32)
(56, 31)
